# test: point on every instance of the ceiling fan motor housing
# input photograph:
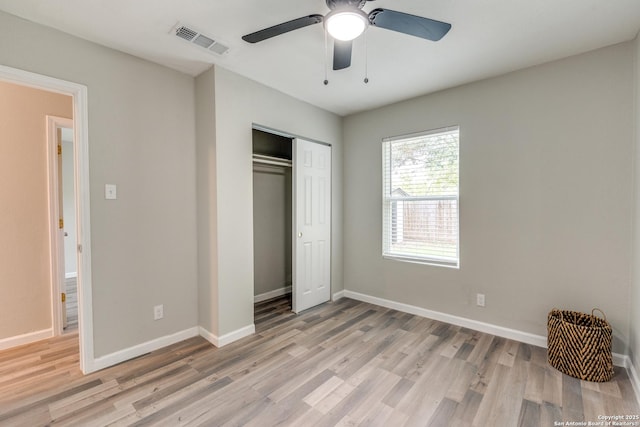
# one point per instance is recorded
(345, 4)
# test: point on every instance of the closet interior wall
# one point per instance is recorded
(272, 211)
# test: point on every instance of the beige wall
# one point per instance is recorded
(141, 138)
(25, 252)
(545, 194)
(239, 103)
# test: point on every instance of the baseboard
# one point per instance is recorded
(537, 340)
(227, 338)
(71, 275)
(621, 360)
(500, 331)
(634, 378)
(140, 349)
(23, 339)
(272, 294)
(338, 295)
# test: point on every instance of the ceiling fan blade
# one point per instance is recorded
(342, 54)
(413, 25)
(285, 27)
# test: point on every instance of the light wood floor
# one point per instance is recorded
(71, 291)
(343, 363)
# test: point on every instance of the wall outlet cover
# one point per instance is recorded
(110, 192)
(158, 312)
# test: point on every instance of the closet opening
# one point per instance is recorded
(272, 220)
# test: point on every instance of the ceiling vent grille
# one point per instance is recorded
(186, 33)
(197, 38)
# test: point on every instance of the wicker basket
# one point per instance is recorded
(579, 344)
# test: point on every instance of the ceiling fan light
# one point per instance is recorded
(346, 25)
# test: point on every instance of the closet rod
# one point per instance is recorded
(267, 160)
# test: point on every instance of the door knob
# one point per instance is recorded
(300, 234)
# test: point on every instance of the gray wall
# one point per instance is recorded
(271, 228)
(545, 194)
(239, 103)
(546, 189)
(141, 137)
(207, 207)
(634, 325)
(272, 260)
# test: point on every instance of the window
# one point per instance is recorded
(420, 197)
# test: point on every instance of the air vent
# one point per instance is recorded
(197, 38)
(186, 33)
(219, 48)
(203, 41)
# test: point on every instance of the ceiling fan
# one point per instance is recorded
(346, 21)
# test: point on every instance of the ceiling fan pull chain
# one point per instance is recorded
(326, 53)
(366, 59)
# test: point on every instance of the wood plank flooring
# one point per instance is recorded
(340, 364)
(71, 291)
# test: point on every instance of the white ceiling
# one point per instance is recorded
(488, 38)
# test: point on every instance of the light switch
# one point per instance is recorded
(110, 192)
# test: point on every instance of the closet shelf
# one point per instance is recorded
(270, 160)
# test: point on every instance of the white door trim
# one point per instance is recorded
(55, 240)
(81, 171)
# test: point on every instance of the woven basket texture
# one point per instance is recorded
(579, 345)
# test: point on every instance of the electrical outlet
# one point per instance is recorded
(110, 191)
(480, 300)
(158, 312)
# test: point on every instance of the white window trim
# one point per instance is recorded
(432, 260)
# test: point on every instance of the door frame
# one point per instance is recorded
(294, 231)
(56, 240)
(78, 94)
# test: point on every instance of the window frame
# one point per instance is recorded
(388, 201)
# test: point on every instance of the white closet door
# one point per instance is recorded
(311, 225)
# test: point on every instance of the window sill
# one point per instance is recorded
(424, 261)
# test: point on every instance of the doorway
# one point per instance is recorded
(272, 221)
(65, 287)
(70, 239)
(78, 94)
(292, 219)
